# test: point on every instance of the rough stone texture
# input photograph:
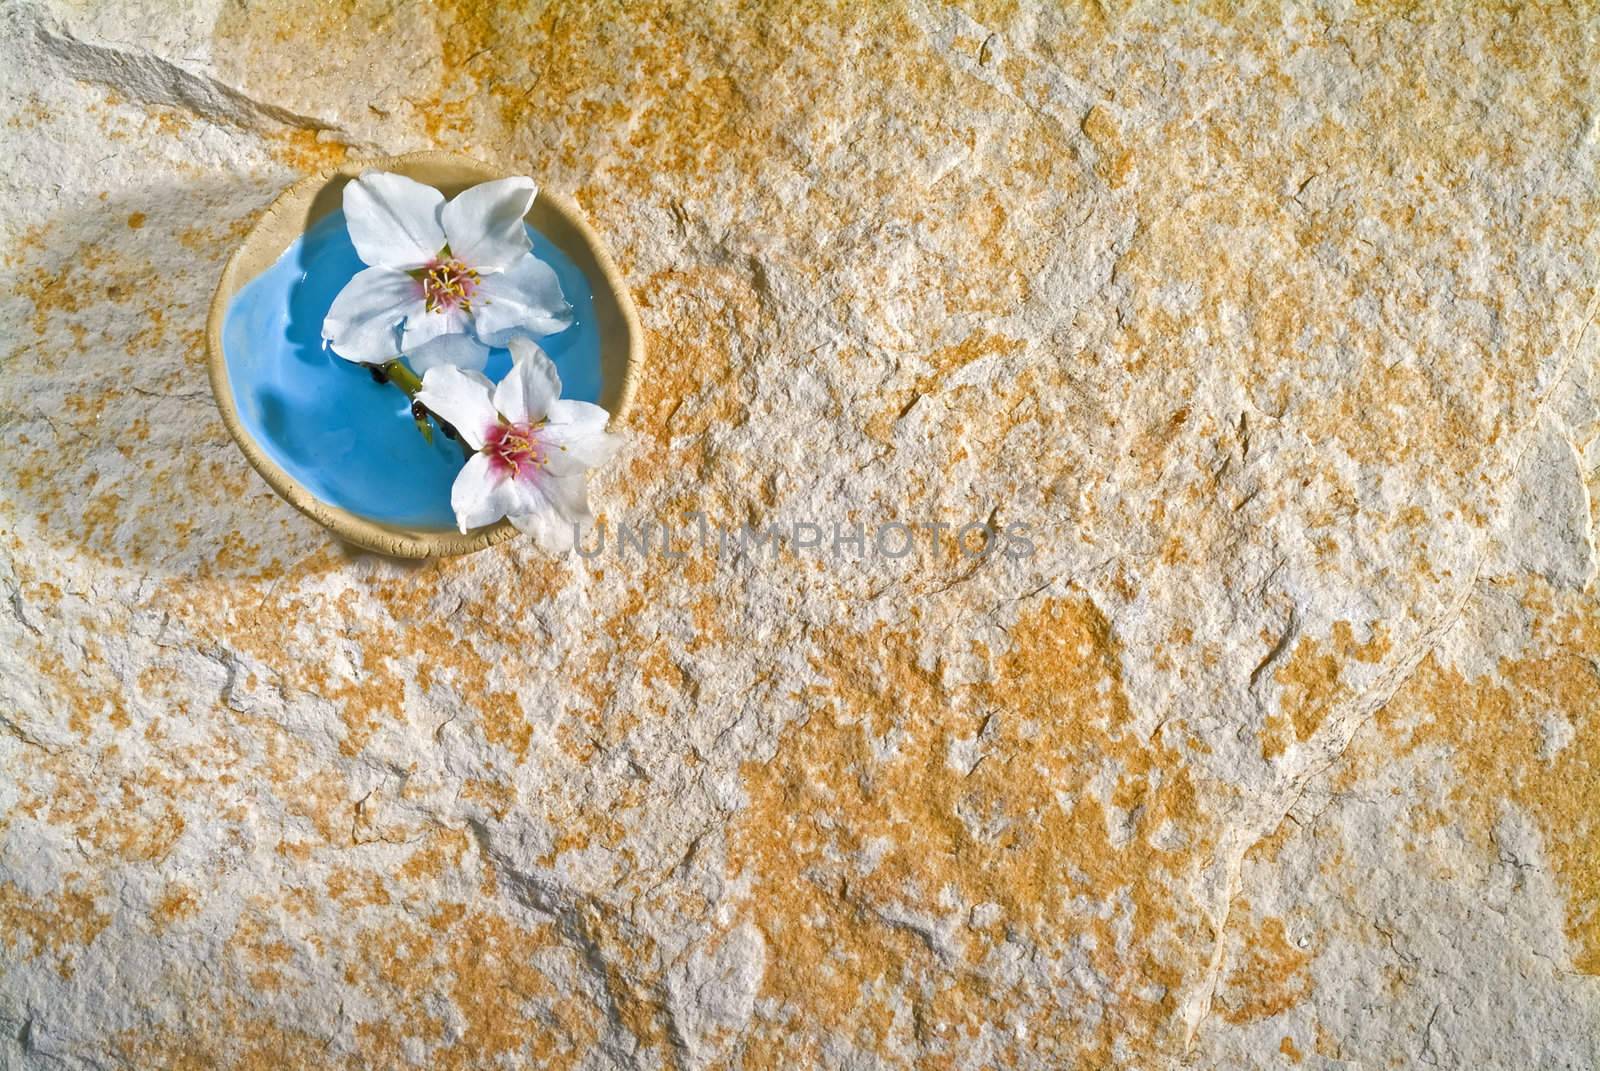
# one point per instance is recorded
(1282, 749)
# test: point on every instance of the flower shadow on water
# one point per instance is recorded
(285, 418)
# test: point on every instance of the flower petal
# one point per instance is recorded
(462, 351)
(559, 506)
(434, 338)
(360, 325)
(524, 299)
(584, 418)
(425, 326)
(462, 398)
(480, 495)
(484, 223)
(569, 495)
(532, 385)
(576, 433)
(393, 221)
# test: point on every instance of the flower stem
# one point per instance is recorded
(396, 372)
(402, 377)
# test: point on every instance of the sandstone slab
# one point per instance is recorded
(1280, 748)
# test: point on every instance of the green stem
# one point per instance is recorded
(402, 377)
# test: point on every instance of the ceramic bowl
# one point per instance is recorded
(289, 218)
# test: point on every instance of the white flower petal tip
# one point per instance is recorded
(462, 268)
(484, 223)
(362, 323)
(523, 300)
(462, 351)
(532, 385)
(463, 399)
(393, 220)
(533, 450)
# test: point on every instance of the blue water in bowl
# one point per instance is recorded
(349, 441)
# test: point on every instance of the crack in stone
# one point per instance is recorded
(1360, 710)
(565, 907)
(150, 79)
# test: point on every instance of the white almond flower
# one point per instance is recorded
(533, 446)
(448, 280)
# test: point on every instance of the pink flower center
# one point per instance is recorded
(515, 450)
(448, 284)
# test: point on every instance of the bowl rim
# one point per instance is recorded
(393, 540)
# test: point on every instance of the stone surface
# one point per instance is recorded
(1282, 748)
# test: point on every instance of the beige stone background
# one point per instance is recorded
(1283, 749)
